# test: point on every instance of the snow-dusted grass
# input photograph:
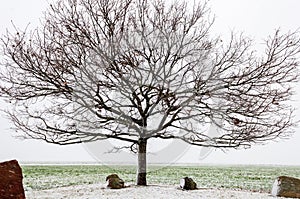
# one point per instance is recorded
(248, 178)
(97, 191)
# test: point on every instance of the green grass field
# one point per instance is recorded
(254, 178)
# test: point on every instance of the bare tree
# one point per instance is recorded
(105, 69)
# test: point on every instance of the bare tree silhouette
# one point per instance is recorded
(105, 69)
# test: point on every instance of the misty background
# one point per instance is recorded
(255, 18)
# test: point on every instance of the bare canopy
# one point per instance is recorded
(99, 69)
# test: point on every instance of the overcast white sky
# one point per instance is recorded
(258, 18)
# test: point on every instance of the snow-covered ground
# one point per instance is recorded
(98, 191)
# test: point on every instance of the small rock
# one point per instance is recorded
(114, 182)
(11, 186)
(285, 186)
(188, 183)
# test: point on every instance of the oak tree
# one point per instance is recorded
(104, 69)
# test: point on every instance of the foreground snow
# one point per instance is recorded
(98, 191)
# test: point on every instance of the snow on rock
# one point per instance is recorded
(275, 188)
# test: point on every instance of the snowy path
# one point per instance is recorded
(97, 191)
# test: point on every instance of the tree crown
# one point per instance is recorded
(133, 69)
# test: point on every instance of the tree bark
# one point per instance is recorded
(285, 186)
(142, 162)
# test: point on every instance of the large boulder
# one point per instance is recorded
(188, 183)
(285, 186)
(114, 182)
(11, 186)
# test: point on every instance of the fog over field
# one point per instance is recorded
(255, 18)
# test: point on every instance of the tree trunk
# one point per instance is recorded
(142, 162)
(286, 187)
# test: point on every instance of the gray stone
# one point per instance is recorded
(114, 182)
(188, 183)
(285, 186)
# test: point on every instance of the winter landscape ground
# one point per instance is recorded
(88, 181)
